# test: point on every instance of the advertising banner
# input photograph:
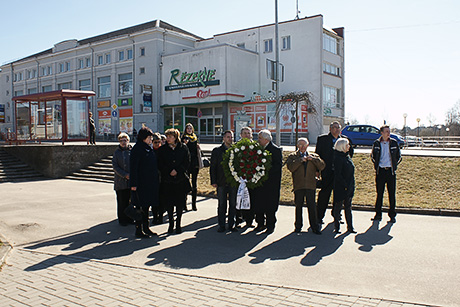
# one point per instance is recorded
(2, 113)
(105, 122)
(103, 104)
(125, 102)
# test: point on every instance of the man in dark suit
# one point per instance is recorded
(267, 196)
(325, 149)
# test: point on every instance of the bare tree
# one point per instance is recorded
(453, 119)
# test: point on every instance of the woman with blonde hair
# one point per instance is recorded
(344, 184)
(191, 140)
(174, 161)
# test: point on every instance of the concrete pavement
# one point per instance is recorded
(68, 249)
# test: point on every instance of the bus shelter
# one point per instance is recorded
(55, 116)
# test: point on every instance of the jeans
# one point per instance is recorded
(299, 197)
(222, 193)
(385, 177)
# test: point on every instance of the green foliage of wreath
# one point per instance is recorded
(246, 159)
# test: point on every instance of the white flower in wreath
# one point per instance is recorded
(262, 173)
(236, 150)
(251, 146)
(265, 153)
(259, 152)
(243, 147)
(264, 160)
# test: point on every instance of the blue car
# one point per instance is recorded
(366, 135)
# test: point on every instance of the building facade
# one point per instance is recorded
(162, 76)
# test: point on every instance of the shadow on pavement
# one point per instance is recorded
(295, 244)
(207, 247)
(373, 236)
(111, 241)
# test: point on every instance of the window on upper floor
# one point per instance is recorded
(81, 63)
(84, 85)
(31, 90)
(268, 45)
(331, 69)
(330, 43)
(88, 62)
(47, 88)
(121, 55)
(107, 58)
(50, 70)
(44, 71)
(103, 87)
(129, 53)
(142, 51)
(241, 45)
(332, 97)
(65, 86)
(67, 66)
(61, 67)
(18, 93)
(125, 84)
(286, 43)
(100, 60)
(7, 78)
(141, 70)
(34, 73)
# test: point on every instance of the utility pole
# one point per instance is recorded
(277, 78)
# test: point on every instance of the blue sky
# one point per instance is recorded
(400, 56)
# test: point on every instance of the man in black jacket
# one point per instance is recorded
(267, 196)
(325, 149)
(223, 188)
(386, 156)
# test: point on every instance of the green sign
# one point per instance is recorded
(125, 102)
(183, 80)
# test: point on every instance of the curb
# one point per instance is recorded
(358, 207)
(4, 250)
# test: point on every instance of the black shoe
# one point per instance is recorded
(337, 230)
(351, 230)
(178, 230)
(269, 230)
(297, 230)
(140, 234)
(220, 229)
(171, 229)
(194, 207)
(377, 218)
(148, 232)
(316, 231)
(249, 225)
(233, 229)
(392, 220)
(260, 228)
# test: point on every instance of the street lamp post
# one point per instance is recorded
(404, 131)
(418, 127)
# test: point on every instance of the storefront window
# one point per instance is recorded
(168, 118)
(206, 111)
(218, 128)
(178, 118)
(77, 119)
(23, 121)
(103, 87)
(53, 119)
(125, 84)
(191, 111)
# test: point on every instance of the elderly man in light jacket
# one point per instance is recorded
(304, 167)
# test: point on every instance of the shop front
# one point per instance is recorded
(59, 115)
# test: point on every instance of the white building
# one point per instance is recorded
(160, 75)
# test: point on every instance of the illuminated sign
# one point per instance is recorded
(202, 78)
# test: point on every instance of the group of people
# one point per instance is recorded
(155, 173)
(160, 171)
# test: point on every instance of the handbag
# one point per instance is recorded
(133, 211)
(202, 161)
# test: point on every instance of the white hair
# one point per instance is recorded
(341, 144)
(303, 139)
(266, 134)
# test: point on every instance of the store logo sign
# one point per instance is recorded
(202, 78)
(203, 94)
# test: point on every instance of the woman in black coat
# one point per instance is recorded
(144, 179)
(174, 161)
(344, 184)
(191, 140)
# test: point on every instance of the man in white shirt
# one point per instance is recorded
(386, 156)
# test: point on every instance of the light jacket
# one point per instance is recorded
(304, 178)
(120, 164)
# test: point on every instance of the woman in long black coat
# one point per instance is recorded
(174, 161)
(191, 140)
(144, 179)
(344, 184)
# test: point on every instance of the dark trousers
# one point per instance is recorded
(177, 200)
(323, 197)
(92, 137)
(222, 194)
(346, 203)
(299, 197)
(265, 211)
(123, 197)
(383, 177)
(194, 177)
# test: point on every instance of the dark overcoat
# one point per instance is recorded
(344, 176)
(144, 175)
(179, 160)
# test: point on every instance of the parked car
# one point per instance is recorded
(413, 141)
(366, 135)
(430, 143)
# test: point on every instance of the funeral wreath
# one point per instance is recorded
(246, 160)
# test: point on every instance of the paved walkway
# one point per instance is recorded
(69, 250)
(96, 283)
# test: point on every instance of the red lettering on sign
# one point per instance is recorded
(203, 94)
